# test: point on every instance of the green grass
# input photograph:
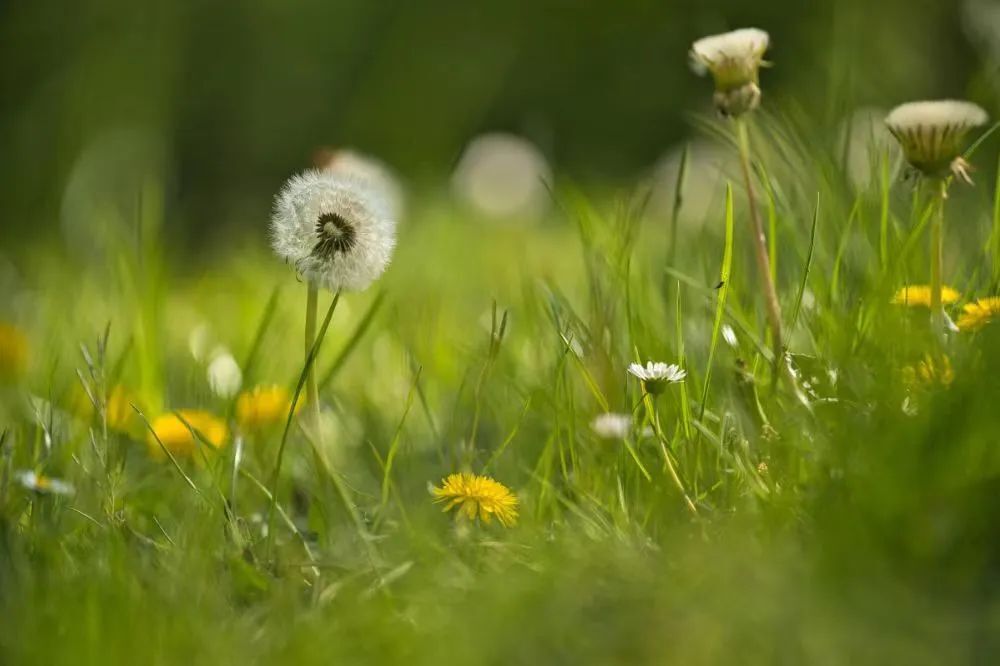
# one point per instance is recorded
(845, 531)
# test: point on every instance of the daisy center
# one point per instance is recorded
(333, 234)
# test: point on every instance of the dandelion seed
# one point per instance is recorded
(977, 315)
(368, 171)
(919, 296)
(612, 426)
(729, 335)
(656, 376)
(13, 352)
(44, 485)
(333, 229)
(932, 133)
(478, 496)
(224, 374)
(263, 407)
(177, 438)
(734, 60)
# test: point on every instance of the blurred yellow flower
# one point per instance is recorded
(177, 438)
(478, 496)
(121, 417)
(928, 372)
(976, 315)
(919, 296)
(13, 352)
(263, 407)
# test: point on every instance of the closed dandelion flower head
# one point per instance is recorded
(263, 407)
(336, 232)
(932, 134)
(734, 60)
(612, 426)
(224, 374)
(656, 376)
(477, 497)
(368, 172)
(919, 296)
(977, 315)
(177, 438)
(13, 352)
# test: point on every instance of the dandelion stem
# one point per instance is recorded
(773, 307)
(937, 252)
(312, 392)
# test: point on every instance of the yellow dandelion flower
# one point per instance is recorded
(13, 352)
(121, 417)
(263, 407)
(928, 372)
(976, 315)
(177, 438)
(480, 496)
(919, 296)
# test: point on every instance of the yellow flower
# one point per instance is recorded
(121, 417)
(478, 496)
(263, 407)
(920, 296)
(928, 372)
(177, 438)
(13, 352)
(976, 315)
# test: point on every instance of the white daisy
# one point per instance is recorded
(224, 375)
(43, 484)
(612, 426)
(369, 171)
(656, 376)
(335, 230)
(734, 60)
(932, 133)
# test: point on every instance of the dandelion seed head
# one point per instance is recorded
(931, 133)
(612, 425)
(368, 171)
(503, 177)
(335, 230)
(734, 60)
(477, 497)
(224, 375)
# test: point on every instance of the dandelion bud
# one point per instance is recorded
(336, 231)
(734, 60)
(932, 133)
(224, 375)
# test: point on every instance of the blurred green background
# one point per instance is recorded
(229, 98)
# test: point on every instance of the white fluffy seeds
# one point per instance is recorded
(334, 229)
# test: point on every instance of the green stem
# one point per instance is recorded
(937, 254)
(772, 305)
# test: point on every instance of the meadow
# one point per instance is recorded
(831, 503)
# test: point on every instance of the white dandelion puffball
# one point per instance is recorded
(931, 133)
(729, 335)
(656, 376)
(503, 176)
(224, 375)
(367, 170)
(734, 60)
(337, 232)
(612, 426)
